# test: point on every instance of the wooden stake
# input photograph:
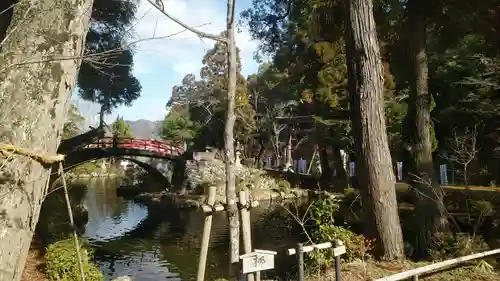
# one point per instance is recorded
(72, 223)
(245, 228)
(206, 236)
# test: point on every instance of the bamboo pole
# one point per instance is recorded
(437, 266)
(206, 236)
(245, 228)
(72, 223)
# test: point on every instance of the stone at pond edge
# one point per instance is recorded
(122, 278)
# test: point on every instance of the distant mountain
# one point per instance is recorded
(144, 128)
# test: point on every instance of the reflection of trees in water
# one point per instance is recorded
(53, 223)
(106, 203)
(171, 238)
(271, 230)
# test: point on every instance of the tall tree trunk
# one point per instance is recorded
(326, 170)
(430, 209)
(341, 180)
(366, 87)
(288, 151)
(34, 99)
(232, 210)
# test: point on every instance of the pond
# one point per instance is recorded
(164, 244)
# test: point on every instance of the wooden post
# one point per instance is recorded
(300, 250)
(300, 261)
(338, 276)
(245, 228)
(312, 160)
(206, 235)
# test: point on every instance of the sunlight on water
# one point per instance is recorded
(151, 244)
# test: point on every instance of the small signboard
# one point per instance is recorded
(258, 260)
(339, 251)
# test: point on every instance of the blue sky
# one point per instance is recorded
(160, 63)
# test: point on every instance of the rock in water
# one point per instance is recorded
(122, 278)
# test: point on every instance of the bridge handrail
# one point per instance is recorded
(439, 265)
(132, 140)
(146, 144)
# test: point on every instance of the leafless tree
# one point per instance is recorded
(229, 149)
(272, 128)
(463, 149)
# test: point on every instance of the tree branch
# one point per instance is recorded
(158, 4)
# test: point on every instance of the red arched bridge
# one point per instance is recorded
(159, 147)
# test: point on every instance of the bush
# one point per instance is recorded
(446, 245)
(86, 168)
(324, 230)
(61, 262)
(284, 185)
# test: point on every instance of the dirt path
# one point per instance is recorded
(31, 271)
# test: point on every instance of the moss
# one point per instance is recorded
(57, 72)
(43, 47)
(52, 113)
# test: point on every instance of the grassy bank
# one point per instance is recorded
(363, 271)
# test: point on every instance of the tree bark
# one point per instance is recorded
(326, 170)
(232, 210)
(366, 88)
(34, 100)
(430, 209)
(341, 181)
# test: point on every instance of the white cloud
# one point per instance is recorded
(162, 59)
(164, 41)
(184, 68)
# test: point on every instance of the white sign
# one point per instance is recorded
(443, 171)
(339, 251)
(352, 169)
(258, 260)
(399, 170)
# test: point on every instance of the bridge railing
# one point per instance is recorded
(141, 144)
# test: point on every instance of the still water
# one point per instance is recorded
(164, 244)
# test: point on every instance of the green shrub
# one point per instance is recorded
(284, 185)
(61, 262)
(482, 207)
(446, 245)
(86, 168)
(350, 193)
(324, 230)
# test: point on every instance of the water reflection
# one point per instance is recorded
(164, 244)
(109, 215)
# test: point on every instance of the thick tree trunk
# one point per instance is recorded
(430, 209)
(232, 210)
(34, 99)
(326, 171)
(366, 86)
(341, 180)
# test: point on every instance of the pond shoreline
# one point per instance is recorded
(171, 199)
